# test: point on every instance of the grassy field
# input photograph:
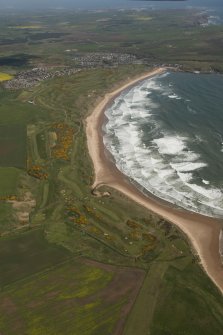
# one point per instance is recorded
(176, 299)
(196, 316)
(13, 146)
(26, 255)
(9, 179)
(7, 220)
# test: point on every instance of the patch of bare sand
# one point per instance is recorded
(23, 207)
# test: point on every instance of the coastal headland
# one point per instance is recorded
(203, 232)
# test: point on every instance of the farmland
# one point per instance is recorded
(5, 76)
(77, 294)
(73, 262)
(33, 253)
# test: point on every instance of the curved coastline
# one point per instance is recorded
(202, 231)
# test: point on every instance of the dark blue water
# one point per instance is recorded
(167, 135)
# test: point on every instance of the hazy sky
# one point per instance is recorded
(97, 3)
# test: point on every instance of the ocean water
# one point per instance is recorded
(166, 134)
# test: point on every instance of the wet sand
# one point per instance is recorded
(202, 231)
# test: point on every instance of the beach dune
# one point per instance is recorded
(203, 232)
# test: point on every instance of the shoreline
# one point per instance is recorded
(202, 231)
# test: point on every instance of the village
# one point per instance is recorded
(30, 78)
(104, 59)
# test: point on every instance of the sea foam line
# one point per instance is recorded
(170, 180)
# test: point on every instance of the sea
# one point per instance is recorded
(166, 135)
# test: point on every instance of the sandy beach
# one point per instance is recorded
(202, 231)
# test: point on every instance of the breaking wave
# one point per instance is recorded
(166, 134)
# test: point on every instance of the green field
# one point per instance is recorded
(176, 299)
(7, 220)
(9, 178)
(27, 254)
(201, 310)
(13, 158)
(13, 146)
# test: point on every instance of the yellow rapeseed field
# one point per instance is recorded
(5, 76)
(31, 26)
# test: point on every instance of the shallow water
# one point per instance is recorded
(167, 135)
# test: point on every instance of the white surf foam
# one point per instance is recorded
(165, 166)
(187, 166)
(211, 194)
(155, 161)
(185, 177)
(170, 145)
(174, 96)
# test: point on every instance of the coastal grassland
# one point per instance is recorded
(181, 301)
(106, 227)
(203, 311)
